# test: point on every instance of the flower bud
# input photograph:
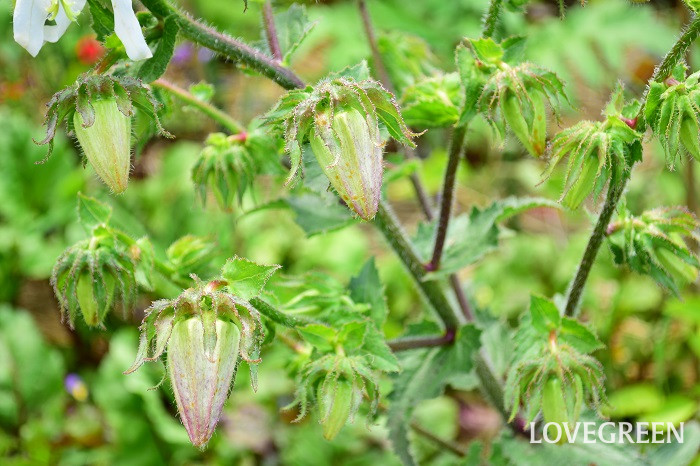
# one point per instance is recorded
(107, 143)
(336, 405)
(690, 136)
(201, 381)
(91, 308)
(348, 147)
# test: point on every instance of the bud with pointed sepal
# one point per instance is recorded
(99, 109)
(206, 332)
(341, 118)
(348, 147)
(92, 276)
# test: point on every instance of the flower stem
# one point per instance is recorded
(372, 40)
(677, 53)
(448, 184)
(491, 18)
(234, 49)
(209, 110)
(277, 316)
(403, 344)
(271, 30)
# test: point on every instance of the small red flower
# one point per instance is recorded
(89, 50)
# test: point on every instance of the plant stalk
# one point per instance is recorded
(271, 30)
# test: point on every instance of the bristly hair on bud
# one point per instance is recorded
(91, 276)
(654, 243)
(598, 151)
(337, 384)
(206, 331)
(673, 110)
(341, 119)
(98, 110)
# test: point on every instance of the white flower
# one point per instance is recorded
(31, 30)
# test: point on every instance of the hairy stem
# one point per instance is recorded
(676, 54)
(407, 343)
(433, 291)
(269, 311)
(448, 184)
(234, 49)
(372, 39)
(491, 17)
(209, 110)
(271, 31)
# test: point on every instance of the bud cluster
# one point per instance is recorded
(672, 110)
(336, 384)
(228, 165)
(91, 276)
(341, 120)
(205, 331)
(552, 370)
(98, 110)
(653, 243)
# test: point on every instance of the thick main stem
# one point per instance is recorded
(271, 30)
(446, 201)
(234, 49)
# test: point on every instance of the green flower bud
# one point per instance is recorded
(98, 109)
(348, 147)
(690, 136)
(201, 379)
(337, 403)
(206, 331)
(106, 143)
(91, 276)
(340, 118)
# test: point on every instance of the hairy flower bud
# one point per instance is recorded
(206, 331)
(337, 401)
(340, 118)
(106, 143)
(201, 381)
(348, 147)
(99, 109)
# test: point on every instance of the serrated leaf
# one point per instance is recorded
(245, 278)
(358, 72)
(102, 19)
(579, 336)
(315, 214)
(320, 336)
(92, 212)
(470, 238)
(366, 287)
(545, 315)
(487, 50)
(423, 376)
(293, 26)
(154, 67)
(380, 354)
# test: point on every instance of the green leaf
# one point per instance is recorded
(154, 67)
(380, 355)
(92, 212)
(433, 102)
(579, 336)
(487, 50)
(202, 91)
(472, 80)
(143, 271)
(545, 315)
(190, 252)
(246, 279)
(293, 26)
(315, 214)
(469, 238)
(424, 376)
(102, 19)
(320, 336)
(359, 72)
(367, 288)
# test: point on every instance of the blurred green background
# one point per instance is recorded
(63, 398)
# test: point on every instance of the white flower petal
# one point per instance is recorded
(129, 30)
(29, 18)
(54, 32)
